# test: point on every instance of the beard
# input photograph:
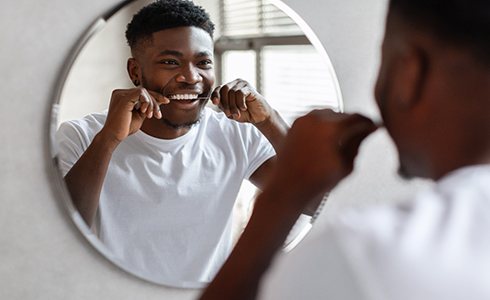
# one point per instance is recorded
(177, 119)
(180, 125)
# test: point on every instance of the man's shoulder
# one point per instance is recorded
(90, 122)
(435, 210)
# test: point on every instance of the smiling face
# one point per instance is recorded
(178, 63)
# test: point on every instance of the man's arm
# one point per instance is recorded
(318, 152)
(242, 103)
(274, 129)
(85, 179)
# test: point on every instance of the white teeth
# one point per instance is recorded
(183, 97)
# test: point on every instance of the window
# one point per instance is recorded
(261, 44)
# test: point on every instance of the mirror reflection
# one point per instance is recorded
(169, 122)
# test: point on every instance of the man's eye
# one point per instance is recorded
(206, 63)
(168, 62)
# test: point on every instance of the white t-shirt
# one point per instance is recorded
(165, 207)
(435, 247)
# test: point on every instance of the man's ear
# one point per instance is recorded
(411, 77)
(134, 71)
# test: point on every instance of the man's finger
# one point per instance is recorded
(156, 109)
(143, 103)
(146, 100)
(355, 126)
(224, 101)
(215, 96)
(233, 95)
(159, 98)
(242, 99)
(351, 139)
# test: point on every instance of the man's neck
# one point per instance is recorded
(162, 130)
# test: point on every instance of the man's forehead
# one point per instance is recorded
(182, 36)
(178, 39)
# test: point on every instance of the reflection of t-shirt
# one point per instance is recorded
(436, 247)
(165, 207)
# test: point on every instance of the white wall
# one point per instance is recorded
(43, 256)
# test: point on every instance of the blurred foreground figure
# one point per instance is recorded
(433, 92)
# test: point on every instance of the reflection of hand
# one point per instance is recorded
(319, 151)
(240, 101)
(128, 109)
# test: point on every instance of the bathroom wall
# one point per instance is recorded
(42, 253)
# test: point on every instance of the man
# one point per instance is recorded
(433, 92)
(157, 175)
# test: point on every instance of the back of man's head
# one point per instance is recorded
(461, 23)
(434, 84)
(166, 14)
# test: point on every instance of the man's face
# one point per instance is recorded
(178, 63)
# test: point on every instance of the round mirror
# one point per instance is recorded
(168, 207)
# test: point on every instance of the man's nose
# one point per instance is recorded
(189, 74)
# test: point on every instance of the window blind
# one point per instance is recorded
(255, 18)
(296, 80)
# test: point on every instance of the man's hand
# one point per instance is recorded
(241, 102)
(128, 109)
(318, 152)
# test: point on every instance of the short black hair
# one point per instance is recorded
(465, 23)
(166, 14)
